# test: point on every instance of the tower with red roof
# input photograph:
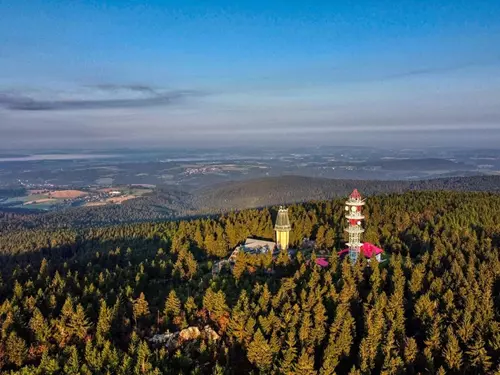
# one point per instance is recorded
(354, 216)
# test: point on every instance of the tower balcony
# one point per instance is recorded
(354, 245)
(355, 202)
(355, 229)
(355, 216)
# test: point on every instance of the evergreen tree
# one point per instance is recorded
(15, 349)
(287, 365)
(40, 327)
(104, 321)
(452, 353)
(78, 323)
(172, 305)
(72, 365)
(305, 364)
(143, 366)
(141, 307)
(478, 356)
(259, 352)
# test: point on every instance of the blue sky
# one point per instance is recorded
(105, 73)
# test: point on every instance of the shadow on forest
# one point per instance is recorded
(83, 251)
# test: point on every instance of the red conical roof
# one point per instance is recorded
(355, 194)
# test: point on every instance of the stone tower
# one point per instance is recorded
(282, 228)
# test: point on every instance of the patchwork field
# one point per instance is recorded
(66, 194)
(52, 199)
(44, 199)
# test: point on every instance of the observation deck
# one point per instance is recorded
(355, 229)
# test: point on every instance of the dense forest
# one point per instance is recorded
(91, 300)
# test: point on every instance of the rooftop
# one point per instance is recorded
(253, 243)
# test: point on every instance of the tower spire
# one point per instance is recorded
(282, 228)
(354, 216)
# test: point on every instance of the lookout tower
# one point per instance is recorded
(354, 215)
(282, 228)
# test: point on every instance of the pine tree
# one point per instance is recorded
(305, 364)
(329, 238)
(339, 341)
(320, 237)
(190, 265)
(264, 299)
(319, 331)
(93, 357)
(478, 355)
(283, 258)
(104, 321)
(140, 307)
(240, 265)
(371, 342)
(215, 303)
(274, 344)
(72, 365)
(259, 352)
(249, 329)
(190, 306)
(15, 349)
(48, 365)
(43, 272)
(305, 329)
(143, 366)
(452, 353)
(78, 323)
(393, 363)
(40, 327)
(467, 327)
(239, 317)
(287, 365)
(218, 369)
(63, 330)
(411, 351)
(172, 305)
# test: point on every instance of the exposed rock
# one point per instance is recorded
(162, 338)
(210, 334)
(190, 333)
(170, 340)
(173, 340)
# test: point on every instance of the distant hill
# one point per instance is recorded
(427, 164)
(290, 189)
(161, 204)
(168, 203)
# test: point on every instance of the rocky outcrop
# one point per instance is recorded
(191, 333)
(172, 340)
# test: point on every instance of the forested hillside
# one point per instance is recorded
(170, 203)
(161, 204)
(292, 189)
(87, 301)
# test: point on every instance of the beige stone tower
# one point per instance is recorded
(282, 228)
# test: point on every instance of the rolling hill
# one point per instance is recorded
(290, 189)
